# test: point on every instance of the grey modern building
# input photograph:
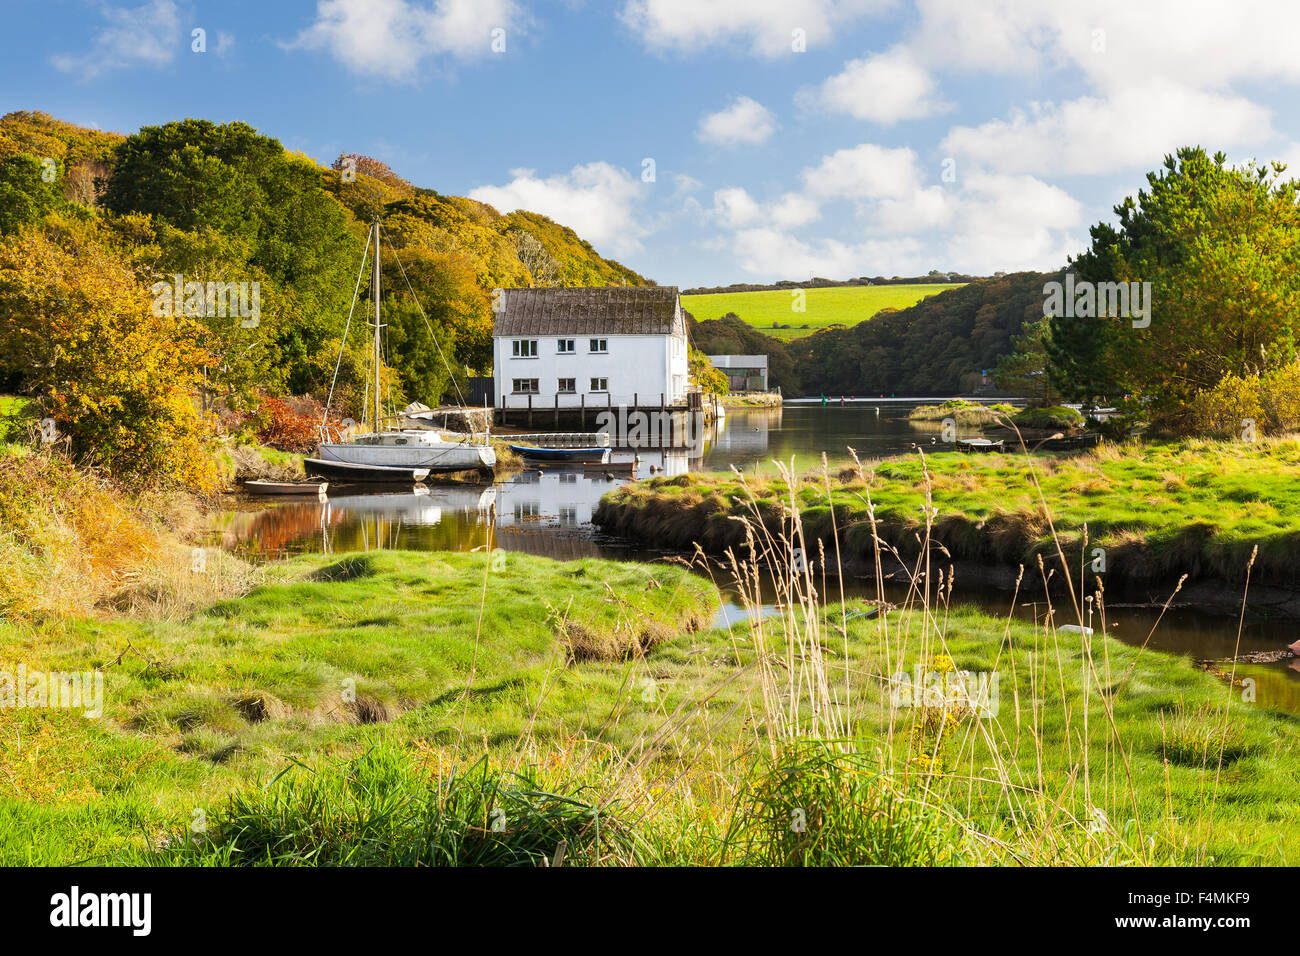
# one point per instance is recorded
(745, 373)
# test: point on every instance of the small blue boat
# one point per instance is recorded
(535, 453)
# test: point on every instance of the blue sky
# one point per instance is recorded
(788, 137)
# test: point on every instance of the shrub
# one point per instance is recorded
(1270, 400)
(286, 429)
(1054, 417)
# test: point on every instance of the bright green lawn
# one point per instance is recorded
(845, 304)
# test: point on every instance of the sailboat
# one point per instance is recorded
(384, 453)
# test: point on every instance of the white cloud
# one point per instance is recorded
(685, 184)
(1116, 43)
(1010, 223)
(735, 207)
(390, 38)
(864, 172)
(148, 35)
(598, 201)
(982, 223)
(765, 26)
(920, 209)
(1291, 156)
(744, 122)
(1160, 75)
(793, 209)
(882, 88)
(1133, 128)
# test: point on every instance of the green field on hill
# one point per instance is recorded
(847, 305)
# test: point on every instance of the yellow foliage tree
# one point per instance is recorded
(119, 382)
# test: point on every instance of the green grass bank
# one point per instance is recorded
(1157, 511)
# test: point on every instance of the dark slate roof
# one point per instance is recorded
(604, 310)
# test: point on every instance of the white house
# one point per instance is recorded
(589, 348)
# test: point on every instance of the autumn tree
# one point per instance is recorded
(458, 332)
(119, 381)
(541, 265)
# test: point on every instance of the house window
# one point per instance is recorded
(599, 345)
(567, 346)
(524, 348)
(600, 385)
(568, 385)
(526, 386)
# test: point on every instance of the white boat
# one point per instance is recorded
(418, 448)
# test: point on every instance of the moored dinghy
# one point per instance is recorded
(259, 487)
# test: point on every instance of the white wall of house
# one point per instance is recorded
(634, 369)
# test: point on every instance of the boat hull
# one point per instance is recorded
(533, 453)
(351, 471)
(444, 457)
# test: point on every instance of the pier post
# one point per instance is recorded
(530, 409)
(583, 398)
(557, 410)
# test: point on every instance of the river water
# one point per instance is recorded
(549, 513)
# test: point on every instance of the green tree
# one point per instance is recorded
(282, 228)
(25, 196)
(1024, 371)
(1220, 247)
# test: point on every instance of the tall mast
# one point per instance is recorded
(375, 291)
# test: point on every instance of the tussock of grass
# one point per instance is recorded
(1193, 736)
(350, 568)
(818, 804)
(385, 809)
(257, 462)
